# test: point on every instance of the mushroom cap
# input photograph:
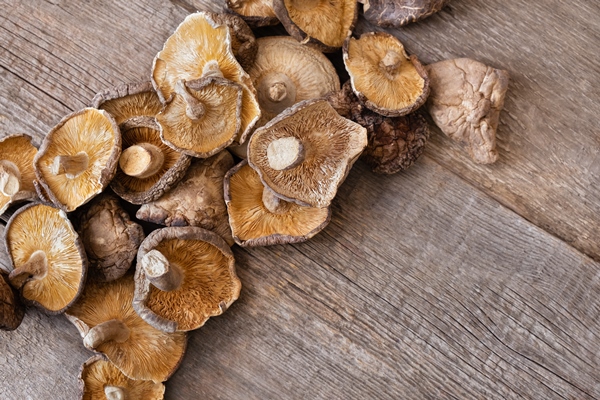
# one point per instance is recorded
(397, 13)
(97, 373)
(11, 308)
(90, 133)
(254, 225)
(209, 283)
(129, 101)
(38, 227)
(16, 158)
(147, 353)
(198, 40)
(256, 13)
(331, 146)
(304, 72)
(383, 76)
(243, 42)
(323, 24)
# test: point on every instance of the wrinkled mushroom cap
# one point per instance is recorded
(11, 308)
(255, 12)
(129, 101)
(383, 76)
(396, 13)
(45, 235)
(16, 170)
(243, 42)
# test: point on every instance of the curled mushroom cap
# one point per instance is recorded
(243, 42)
(106, 320)
(11, 308)
(128, 101)
(79, 157)
(16, 170)
(396, 13)
(48, 261)
(255, 12)
(304, 154)
(184, 275)
(383, 76)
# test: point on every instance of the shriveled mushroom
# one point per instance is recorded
(100, 379)
(466, 99)
(259, 218)
(184, 275)
(11, 308)
(256, 13)
(243, 42)
(304, 154)
(110, 238)
(129, 101)
(78, 158)
(323, 24)
(383, 76)
(197, 200)
(106, 320)
(47, 257)
(396, 13)
(16, 170)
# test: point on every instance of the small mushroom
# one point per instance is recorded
(108, 324)
(396, 13)
(383, 76)
(243, 42)
(47, 257)
(256, 13)
(184, 275)
(78, 158)
(100, 379)
(259, 218)
(129, 101)
(304, 154)
(16, 170)
(197, 200)
(11, 308)
(323, 24)
(465, 103)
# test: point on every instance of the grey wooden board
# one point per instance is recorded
(423, 286)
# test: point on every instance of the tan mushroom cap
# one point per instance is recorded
(100, 380)
(198, 40)
(383, 76)
(255, 12)
(11, 308)
(78, 158)
(129, 101)
(184, 275)
(305, 153)
(16, 170)
(258, 218)
(47, 257)
(243, 42)
(285, 72)
(106, 320)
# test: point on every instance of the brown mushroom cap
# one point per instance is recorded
(16, 170)
(184, 276)
(304, 154)
(106, 320)
(78, 158)
(323, 24)
(243, 42)
(47, 258)
(11, 308)
(396, 13)
(383, 76)
(129, 101)
(256, 13)
(99, 379)
(258, 218)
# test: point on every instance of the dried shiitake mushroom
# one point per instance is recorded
(16, 170)
(383, 76)
(304, 154)
(78, 158)
(47, 257)
(184, 275)
(243, 42)
(197, 200)
(129, 101)
(256, 13)
(396, 13)
(11, 308)
(106, 320)
(259, 218)
(323, 24)
(466, 99)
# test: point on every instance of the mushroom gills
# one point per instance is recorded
(35, 267)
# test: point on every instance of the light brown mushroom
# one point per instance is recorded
(16, 170)
(256, 13)
(397, 13)
(243, 42)
(11, 308)
(129, 101)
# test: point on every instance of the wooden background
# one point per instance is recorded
(451, 280)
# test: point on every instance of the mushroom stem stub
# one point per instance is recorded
(160, 272)
(277, 92)
(285, 153)
(211, 70)
(10, 178)
(194, 110)
(112, 329)
(141, 160)
(36, 266)
(274, 204)
(70, 165)
(391, 62)
(115, 393)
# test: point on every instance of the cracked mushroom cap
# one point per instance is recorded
(396, 13)
(199, 40)
(259, 218)
(383, 76)
(99, 379)
(285, 72)
(78, 158)
(256, 13)
(184, 276)
(304, 154)
(323, 24)
(47, 257)
(11, 308)
(106, 320)
(16, 170)
(129, 101)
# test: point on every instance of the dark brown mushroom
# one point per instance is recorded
(11, 308)
(16, 170)
(396, 13)
(243, 42)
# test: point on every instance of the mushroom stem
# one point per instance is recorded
(112, 329)
(274, 204)
(390, 62)
(115, 393)
(194, 110)
(277, 92)
(211, 70)
(160, 272)
(141, 160)
(285, 153)
(10, 178)
(36, 266)
(71, 166)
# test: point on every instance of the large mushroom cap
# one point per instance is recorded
(184, 275)
(47, 257)
(383, 76)
(129, 101)
(16, 170)
(396, 13)
(255, 12)
(11, 308)
(78, 158)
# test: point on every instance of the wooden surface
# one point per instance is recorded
(449, 281)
